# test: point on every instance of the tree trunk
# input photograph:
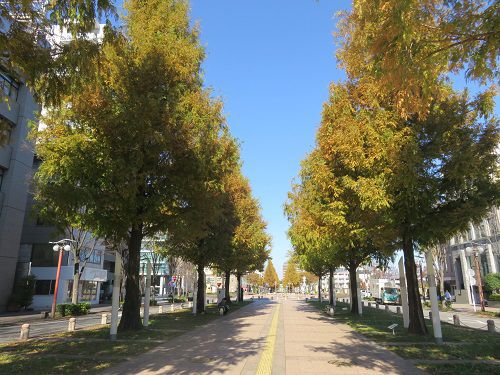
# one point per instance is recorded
(131, 314)
(417, 322)
(76, 282)
(226, 286)
(319, 288)
(353, 286)
(240, 293)
(200, 295)
(330, 288)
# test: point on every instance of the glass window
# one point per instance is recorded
(8, 85)
(44, 287)
(43, 255)
(89, 290)
(94, 257)
(2, 174)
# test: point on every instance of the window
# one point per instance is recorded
(2, 174)
(89, 290)
(93, 257)
(43, 255)
(44, 287)
(8, 85)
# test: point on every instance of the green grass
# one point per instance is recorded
(462, 369)
(465, 343)
(56, 356)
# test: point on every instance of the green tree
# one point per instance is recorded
(254, 280)
(409, 46)
(246, 245)
(444, 176)
(492, 282)
(342, 199)
(291, 276)
(271, 276)
(25, 27)
(138, 142)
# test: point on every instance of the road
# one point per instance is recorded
(10, 330)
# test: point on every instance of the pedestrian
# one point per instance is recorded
(447, 296)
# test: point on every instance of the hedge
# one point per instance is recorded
(74, 309)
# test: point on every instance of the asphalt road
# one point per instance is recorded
(42, 327)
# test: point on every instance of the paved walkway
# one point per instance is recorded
(269, 337)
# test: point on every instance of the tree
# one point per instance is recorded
(25, 27)
(492, 282)
(254, 280)
(342, 196)
(439, 263)
(291, 276)
(137, 140)
(409, 47)
(271, 276)
(444, 177)
(245, 246)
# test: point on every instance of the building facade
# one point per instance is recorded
(460, 263)
(16, 158)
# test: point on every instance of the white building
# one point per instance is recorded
(460, 264)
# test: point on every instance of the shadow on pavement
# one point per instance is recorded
(208, 349)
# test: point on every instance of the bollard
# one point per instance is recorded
(221, 311)
(104, 319)
(71, 324)
(456, 320)
(398, 309)
(160, 309)
(25, 332)
(44, 314)
(491, 326)
(377, 305)
(430, 315)
(331, 311)
(208, 301)
(369, 304)
(172, 307)
(386, 307)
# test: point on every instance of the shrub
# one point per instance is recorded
(61, 309)
(153, 302)
(73, 309)
(494, 297)
(22, 295)
(492, 282)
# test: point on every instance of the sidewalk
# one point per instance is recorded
(305, 343)
(313, 344)
(229, 345)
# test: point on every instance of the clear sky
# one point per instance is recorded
(271, 62)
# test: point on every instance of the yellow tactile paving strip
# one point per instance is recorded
(266, 360)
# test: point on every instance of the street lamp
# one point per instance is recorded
(59, 246)
(475, 251)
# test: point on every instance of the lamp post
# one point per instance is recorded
(59, 246)
(475, 251)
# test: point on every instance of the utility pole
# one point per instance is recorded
(478, 278)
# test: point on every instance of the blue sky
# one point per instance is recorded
(271, 62)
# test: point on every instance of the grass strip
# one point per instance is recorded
(464, 343)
